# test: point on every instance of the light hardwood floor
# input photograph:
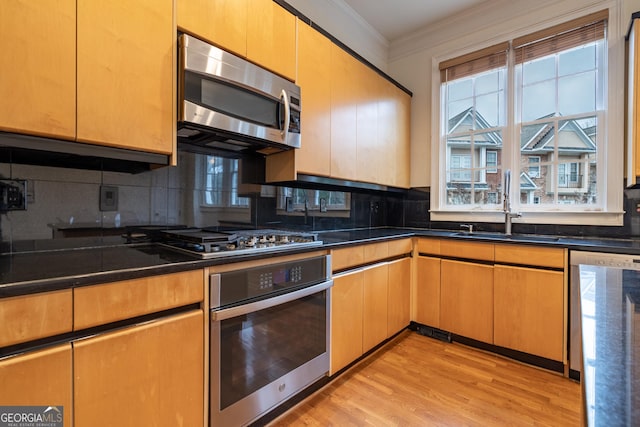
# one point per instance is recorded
(420, 381)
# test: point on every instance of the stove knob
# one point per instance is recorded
(252, 242)
(284, 239)
(272, 238)
(263, 239)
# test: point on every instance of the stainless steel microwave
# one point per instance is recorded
(227, 103)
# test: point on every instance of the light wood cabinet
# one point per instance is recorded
(219, 22)
(126, 74)
(373, 157)
(110, 302)
(40, 378)
(529, 310)
(38, 62)
(466, 299)
(368, 304)
(346, 319)
(344, 114)
(30, 317)
(355, 122)
(152, 373)
(633, 105)
(271, 37)
(399, 296)
(375, 306)
(427, 304)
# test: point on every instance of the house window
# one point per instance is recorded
(492, 162)
(492, 197)
(222, 183)
(534, 166)
(535, 105)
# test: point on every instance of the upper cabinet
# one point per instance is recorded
(220, 22)
(38, 61)
(93, 71)
(261, 30)
(633, 102)
(355, 123)
(126, 74)
(271, 37)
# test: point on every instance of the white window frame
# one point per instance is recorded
(610, 148)
(494, 165)
(536, 166)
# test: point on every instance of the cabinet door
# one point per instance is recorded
(152, 373)
(427, 305)
(220, 22)
(375, 306)
(126, 74)
(373, 160)
(528, 310)
(346, 319)
(38, 62)
(39, 378)
(344, 92)
(314, 79)
(271, 37)
(30, 317)
(399, 296)
(466, 299)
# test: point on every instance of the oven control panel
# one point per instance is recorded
(234, 287)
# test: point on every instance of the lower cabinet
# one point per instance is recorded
(529, 310)
(427, 305)
(368, 305)
(149, 374)
(40, 378)
(375, 306)
(399, 296)
(466, 299)
(346, 319)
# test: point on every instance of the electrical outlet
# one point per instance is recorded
(108, 198)
(13, 195)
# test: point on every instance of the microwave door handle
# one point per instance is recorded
(287, 114)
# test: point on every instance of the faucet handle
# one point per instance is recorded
(468, 227)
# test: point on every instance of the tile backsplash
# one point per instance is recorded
(206, 192)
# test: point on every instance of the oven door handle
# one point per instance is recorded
(240, 310)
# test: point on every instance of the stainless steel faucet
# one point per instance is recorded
(508, 215)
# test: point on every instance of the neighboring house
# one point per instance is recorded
(576, 151)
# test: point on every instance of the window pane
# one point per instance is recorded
(489, 111)
(577, 60)
(533, 189)
(577, 93)
(538, 100)
(538, 70)
(459, 89)
(490, 82)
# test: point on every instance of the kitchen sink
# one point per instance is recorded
(533, 238)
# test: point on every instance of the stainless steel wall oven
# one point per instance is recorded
(269, 336)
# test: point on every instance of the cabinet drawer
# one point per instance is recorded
(347, 257)
(470, 250)
(110, 302)
(530, 255)
(429, 246)
(29, 317)
(399, 247)
(376, 251)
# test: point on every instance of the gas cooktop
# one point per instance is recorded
(206, 243)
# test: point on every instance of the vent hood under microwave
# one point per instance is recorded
(229, 104)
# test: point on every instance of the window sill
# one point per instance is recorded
(533, 217)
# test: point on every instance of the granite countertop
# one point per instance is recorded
(39, 266)
(610, 304)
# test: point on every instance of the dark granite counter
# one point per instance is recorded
(610, 304)
(47, 265)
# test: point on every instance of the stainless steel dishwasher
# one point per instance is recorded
(585, 267)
